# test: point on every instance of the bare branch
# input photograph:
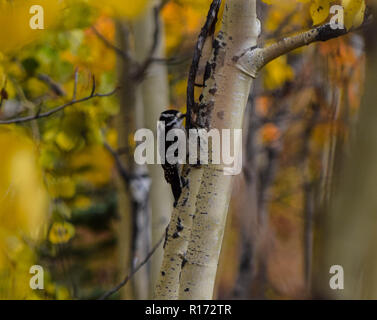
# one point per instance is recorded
(122, 170)
(93, 85)
(141, 68)
(46, 114)
(126, 176)
(140, 72)
(53, 85)
(75, 85)
(3, 93)
(122, 151)
(124, 55)
(39, 110)
(133, 271)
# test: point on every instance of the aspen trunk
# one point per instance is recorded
(178, 236)
(155, 92)
(124, 228)
(239, 33)
(226, 96)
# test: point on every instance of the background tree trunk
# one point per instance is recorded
(134, 212)
(349, 235)
(155, 91)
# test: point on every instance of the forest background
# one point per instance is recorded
(72, 95)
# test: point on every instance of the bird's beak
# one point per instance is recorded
(181, 115)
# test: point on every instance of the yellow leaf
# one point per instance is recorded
(319, 11)
(61, 187)
(65, 141)
(353, 13)
(112, 138)
(23, 212)
(277, 73)
(15, 30)
(280, 11)
(23, 198)
(96, 161)
(61, 232)
(122, 8)
(62, 293)
(82, 202)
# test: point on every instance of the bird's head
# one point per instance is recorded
(171, 117)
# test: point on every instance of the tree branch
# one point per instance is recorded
(46, 114)
(121, 169)
(122, 54)
(126, 176)
(254, 59)
(3, 93)
(133, 272)
(141, 68)
(321, 33)
(53, 85)
(140, 72)
(204, 33)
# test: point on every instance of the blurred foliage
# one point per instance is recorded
(14, 22)
(23, 211)
(303, 116)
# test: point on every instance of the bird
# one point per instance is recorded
(170, 120)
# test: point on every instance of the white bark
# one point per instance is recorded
(178, 236)
(232, 86)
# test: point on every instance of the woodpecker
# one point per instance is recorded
(169, 120)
